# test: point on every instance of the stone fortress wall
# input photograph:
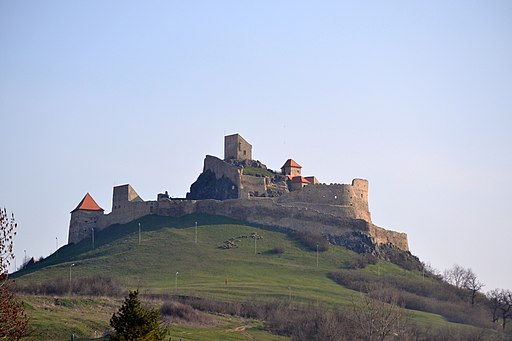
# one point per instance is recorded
(82, 224)
(226, 190)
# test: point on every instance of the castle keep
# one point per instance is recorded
(244, 189)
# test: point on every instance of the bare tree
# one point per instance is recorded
(505, 306)
(494, 304)
(472, 284)
(13, 320)
(380, 316)
(456, 276)
(500, 304)
(465, 280)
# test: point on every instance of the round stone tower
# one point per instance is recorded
(84, 218)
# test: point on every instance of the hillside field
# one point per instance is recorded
(168, 261)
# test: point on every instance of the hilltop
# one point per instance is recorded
(245, 189)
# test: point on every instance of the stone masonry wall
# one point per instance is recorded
(252, 185)
(123, 195)
(319, 219)
(383, 236)
(81, 224)
(354, 199)
(236, 147)
(129, 212)
(265, 211)
(222, 169)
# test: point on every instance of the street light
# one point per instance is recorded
(72, 265)
(176, 284)
(56, 244)
(196, 233)
(139, 233)
(317, 255)
(255, 243)
(25, 258)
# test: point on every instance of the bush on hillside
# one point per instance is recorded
(359, 261)
(176, 312)
(431, 296)
(277, 250)
(311, 241)
(88, 286)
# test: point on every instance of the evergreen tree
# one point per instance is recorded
(134, 322)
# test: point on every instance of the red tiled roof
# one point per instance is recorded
(301, 179)
(311, 179)
(88, 204)
(291, 163)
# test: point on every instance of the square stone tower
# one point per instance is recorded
(235, 147)
(123, 195)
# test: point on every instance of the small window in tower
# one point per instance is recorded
(245, 152)
(361, 195)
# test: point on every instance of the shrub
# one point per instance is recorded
(311, 241)
(179, 312)
(359, 261)
(431, 296)
(277, 250)
(88, 286)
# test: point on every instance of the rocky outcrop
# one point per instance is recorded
(363, 243)
(208, 186)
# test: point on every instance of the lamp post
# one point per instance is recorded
(176, 284)
(92, 235)
(56, 244)
(139, 233)
(25, 258)
(317, 256)
(196, 234)
(72, 265)
(255, 243)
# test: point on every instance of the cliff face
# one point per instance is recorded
(208, 186)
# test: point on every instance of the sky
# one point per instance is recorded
(415, 96)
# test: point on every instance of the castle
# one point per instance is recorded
(244, 189)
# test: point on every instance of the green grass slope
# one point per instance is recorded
(168, 247)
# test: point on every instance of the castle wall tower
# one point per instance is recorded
(291, 168)
(84, 218)
(235, 147)
(123, 195)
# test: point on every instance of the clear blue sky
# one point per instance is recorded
(414, 96)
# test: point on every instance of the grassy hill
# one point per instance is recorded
(168, 246)
(277, 266)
